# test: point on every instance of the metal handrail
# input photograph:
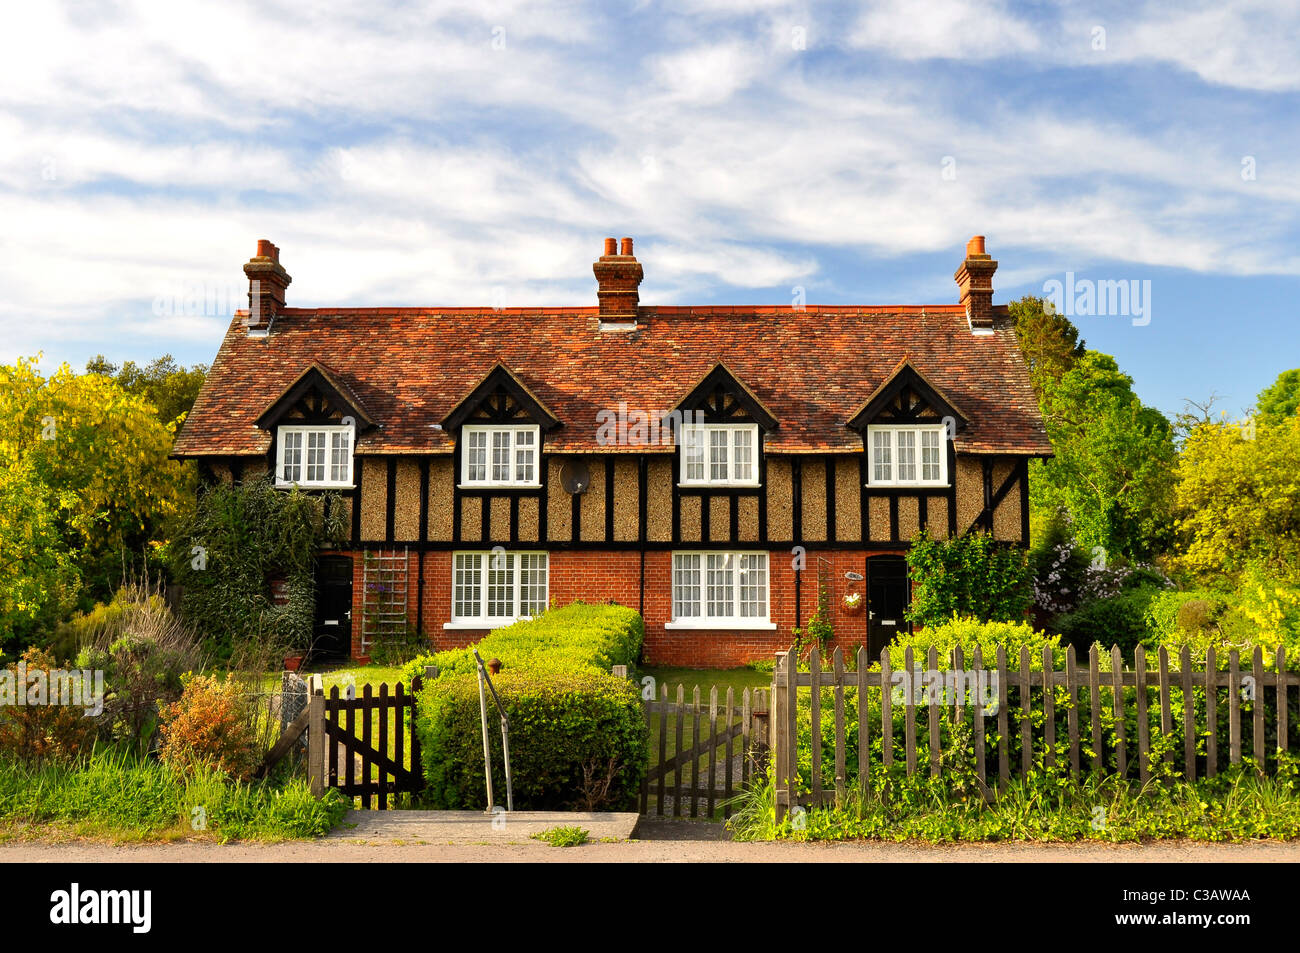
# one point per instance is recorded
(483, 677)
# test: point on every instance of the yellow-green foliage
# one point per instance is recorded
(575, 636)
(968, 633)
(1238, 498)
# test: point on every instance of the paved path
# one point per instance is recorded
(658, 842)
(475, 827)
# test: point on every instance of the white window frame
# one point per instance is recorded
(512, 563)
(513, 446)
(702, 433)
(702, 619)
(892, 431)
(332, 434)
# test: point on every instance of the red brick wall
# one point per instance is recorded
(604, 575)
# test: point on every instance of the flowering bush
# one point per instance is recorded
(208, 726)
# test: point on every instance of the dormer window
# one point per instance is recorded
(314, 456)
(907, 456)
(719, 454)
(499, 455)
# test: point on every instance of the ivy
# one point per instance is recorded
(237, 539)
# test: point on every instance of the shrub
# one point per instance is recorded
(1116, 620)
(968, 575)
(33, 733)
(562, 725)
(143, 650)
(969, 633)
(208, 727)
(576, 636)
(577, 734)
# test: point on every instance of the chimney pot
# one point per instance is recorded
(975, 246)
(626, 251)
(611, 247)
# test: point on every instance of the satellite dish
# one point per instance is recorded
(575, 477)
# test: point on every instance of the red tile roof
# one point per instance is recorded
(813, 369)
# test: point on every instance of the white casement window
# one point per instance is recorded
(720, 454)
(492, 589)
(314, 456)
(499, 455)
(907, 456)
(720, 590)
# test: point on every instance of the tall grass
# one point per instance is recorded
(116, 794)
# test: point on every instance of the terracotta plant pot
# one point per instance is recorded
(292, 663)
(363, 659)
(853, 608)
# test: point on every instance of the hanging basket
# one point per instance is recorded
(853, 602)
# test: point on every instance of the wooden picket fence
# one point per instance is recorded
(725, 743)
(1091, 697)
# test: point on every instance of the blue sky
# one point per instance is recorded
(477, 152)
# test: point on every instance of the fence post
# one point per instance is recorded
(780, 752)
(316, 741)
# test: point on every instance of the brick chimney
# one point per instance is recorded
(266, 283)
(618, 275)
(975, 281)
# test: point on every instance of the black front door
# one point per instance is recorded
(333, 633)
(887, 597)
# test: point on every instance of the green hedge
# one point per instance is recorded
(562, 725)
(566, 639)
(572, 724)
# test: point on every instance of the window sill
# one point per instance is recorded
(719, 486)
(316, 486)
(481, 624)
(498, 486)
(908, 486)
(754, 625)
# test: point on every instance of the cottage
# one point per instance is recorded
(719, 468)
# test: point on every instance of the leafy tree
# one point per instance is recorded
(1114, 458)
(168, 386)
(1238, 498)
(970, 576)
(1048, 340)
(96, 459)
(38, 580)
(1281, 399)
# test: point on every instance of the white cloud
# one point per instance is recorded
(944, 29)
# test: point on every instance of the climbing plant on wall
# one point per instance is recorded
(239, 537)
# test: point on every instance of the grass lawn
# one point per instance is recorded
(724, 678)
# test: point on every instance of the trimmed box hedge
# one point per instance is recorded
(578, 736)
(570, 638)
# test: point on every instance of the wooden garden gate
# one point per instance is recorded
(364, 743)
(701, 756)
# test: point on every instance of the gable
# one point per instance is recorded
(316, 396)
(907, 397)
(500, 398)
(721, 398)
